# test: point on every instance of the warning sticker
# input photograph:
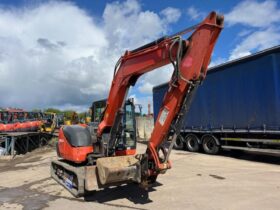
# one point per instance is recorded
(163, 116)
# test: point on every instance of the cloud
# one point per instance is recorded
(146, 87)
(171, 14)
(144, 101)
(151, 79)
(254, 13)
(39, 53)
(261, 20)
(128, 27)
(217, 61)
(258, 40)
(194, 14)
(244, 32)
(55, 54)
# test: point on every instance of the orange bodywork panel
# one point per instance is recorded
(74, 154)
(125, 152)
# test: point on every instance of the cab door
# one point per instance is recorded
(127, 143)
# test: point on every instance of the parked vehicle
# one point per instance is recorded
(49, 122)
(236, 107)
(6, 124)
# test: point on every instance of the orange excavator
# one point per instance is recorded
(95, 158)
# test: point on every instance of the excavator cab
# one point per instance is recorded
(127, 143)
(97, 108)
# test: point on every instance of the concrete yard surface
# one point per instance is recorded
(196, 181)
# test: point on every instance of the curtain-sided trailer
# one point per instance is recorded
(236, 107)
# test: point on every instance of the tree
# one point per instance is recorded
(53, 110)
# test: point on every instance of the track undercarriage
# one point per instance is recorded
(108, 171)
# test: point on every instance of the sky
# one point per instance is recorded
(62, 54)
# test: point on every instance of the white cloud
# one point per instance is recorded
(151, 79)
(217, 61)
(254, 13)
(146, 87)
(171, 14)
(261, 20)
(258, 40)
(55, 54)
(77, 108)
(128, 27)
(244, 32)
(41, 48)
(144, 101)
(194, 14)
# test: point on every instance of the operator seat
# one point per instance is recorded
(77, 136)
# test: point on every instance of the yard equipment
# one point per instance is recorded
(49, 122)
(71, 119)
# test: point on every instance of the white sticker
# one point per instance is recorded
(163, 116)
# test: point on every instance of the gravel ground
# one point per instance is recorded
(196, 181)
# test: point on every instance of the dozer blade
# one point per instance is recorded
(76, 179)
(118, 169)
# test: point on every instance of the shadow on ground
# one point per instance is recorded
(131, 192)
(251, 156)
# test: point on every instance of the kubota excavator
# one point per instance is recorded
(91, 159)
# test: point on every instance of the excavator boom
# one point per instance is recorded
(190, 59)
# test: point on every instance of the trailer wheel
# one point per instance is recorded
(192, 143)
(179, 143)
(210, 144)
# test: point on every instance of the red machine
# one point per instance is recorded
(18, 120)
(3, 121)
(6, 124)
(34, 122)
(90, 156)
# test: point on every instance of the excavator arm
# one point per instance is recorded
(190, 59)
